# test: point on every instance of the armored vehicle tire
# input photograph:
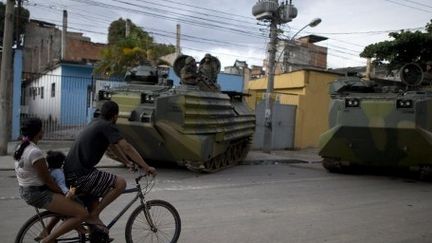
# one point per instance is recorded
(330, 165)
(235, 153)
(425, 173)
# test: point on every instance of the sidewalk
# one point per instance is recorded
(253, 157)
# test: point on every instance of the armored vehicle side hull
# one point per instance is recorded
(204, 131)
(379, 131)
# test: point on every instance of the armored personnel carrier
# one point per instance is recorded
(194, 124)
(379, 123)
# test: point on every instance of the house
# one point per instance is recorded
(306, 90)
(57, 77)
(60, 95)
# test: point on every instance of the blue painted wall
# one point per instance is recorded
(74, 96)
(228, 82)
(16, 95)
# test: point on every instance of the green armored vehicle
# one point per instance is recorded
(379, 123)
(194, 125)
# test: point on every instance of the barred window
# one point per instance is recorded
(53, 89)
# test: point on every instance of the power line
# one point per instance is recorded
(196, 39)
(183, 15)
(368, 32)
(164, 16)
(421, 4)
(408, 6)
(186, 9)
(210, 10)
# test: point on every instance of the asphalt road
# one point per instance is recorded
(271, 203)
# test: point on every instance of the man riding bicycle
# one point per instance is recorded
(100, 188)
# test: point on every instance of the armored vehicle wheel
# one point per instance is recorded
(425, 173)
(232, 156)
(331, 165)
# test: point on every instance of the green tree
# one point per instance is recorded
(124, 52)
(406, 46)
(24, 15)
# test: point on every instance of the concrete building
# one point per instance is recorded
(256, 72)
(307, 90)
(300, 53)
(42, 47)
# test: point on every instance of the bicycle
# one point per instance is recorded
(151, 220)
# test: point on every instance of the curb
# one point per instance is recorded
(277, 161)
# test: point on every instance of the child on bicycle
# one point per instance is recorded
(36, 186)
(55, 161)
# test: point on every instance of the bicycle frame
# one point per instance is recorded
(140, 196)
(126, 208)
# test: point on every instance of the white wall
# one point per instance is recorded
(46, 106)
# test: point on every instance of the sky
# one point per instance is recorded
(228, 30)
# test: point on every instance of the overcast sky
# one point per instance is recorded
(227, 29)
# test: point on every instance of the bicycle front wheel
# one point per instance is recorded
(33, 228)
(166, 223)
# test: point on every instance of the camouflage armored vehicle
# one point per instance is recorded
(379, 123)
(194, 124)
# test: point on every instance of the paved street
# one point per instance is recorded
(272, 203)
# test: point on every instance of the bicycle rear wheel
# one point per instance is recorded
(35, 225)
(166, 221)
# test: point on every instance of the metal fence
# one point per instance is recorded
(63, 103)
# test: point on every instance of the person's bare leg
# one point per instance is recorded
(66, 207)
(114, 193)
(46, 230)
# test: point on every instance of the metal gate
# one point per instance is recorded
(283, 126)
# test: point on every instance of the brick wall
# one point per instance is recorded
(83, 51)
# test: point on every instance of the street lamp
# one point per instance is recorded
(312, 24)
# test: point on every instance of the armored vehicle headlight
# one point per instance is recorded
(352, 102)
(104, 95)
(146, 98)
(404, 104)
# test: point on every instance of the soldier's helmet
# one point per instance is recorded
(189, 60)
(207, 55)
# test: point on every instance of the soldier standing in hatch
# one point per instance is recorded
(189, 72)
(428, 73)
(207, 69)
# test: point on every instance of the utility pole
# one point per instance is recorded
(178, 48)
(127, 31)
(6, 76)
(17, 24)
(271, 11)
(64, 35)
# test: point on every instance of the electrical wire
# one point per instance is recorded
(408, 6)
